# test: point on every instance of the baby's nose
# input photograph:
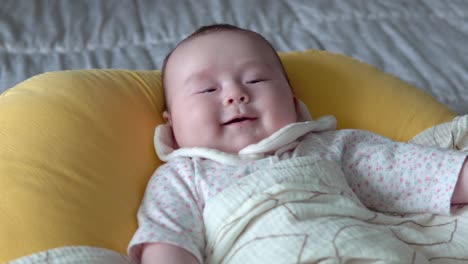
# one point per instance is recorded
(239, 100)
(236, 97)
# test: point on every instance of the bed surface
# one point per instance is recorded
(422, 42)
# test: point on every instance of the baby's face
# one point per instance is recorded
(226, 90)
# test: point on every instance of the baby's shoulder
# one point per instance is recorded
(175, 166)
(176, 162)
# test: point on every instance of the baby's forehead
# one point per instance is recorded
(241, 35)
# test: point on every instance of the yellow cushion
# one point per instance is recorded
(76, 147)
(361, 96)
(76, 150)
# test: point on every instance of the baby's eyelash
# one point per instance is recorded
(209, 90)
(255, 81)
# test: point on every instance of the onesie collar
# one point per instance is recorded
(282, 140)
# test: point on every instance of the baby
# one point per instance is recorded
(237, 139)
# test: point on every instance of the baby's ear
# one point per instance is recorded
(296, 106)
(302, 111)
(167, 116)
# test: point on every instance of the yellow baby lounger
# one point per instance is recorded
(76, 149)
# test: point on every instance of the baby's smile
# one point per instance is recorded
(240, 120)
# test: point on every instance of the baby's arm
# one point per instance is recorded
(165, 253)
(460, 194)
(170, 218)
(400, 177)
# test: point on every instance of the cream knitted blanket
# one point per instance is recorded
(302, 211)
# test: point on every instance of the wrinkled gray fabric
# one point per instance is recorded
(422, 42)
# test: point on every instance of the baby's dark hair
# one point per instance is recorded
(204, 30)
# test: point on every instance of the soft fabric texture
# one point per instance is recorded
(373, 167)
(303, 211)
(75, 255)
(76, 146)
(452, 135)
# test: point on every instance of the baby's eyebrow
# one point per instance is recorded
(196, 76)
(255, 64)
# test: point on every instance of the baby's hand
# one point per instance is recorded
(460, 194)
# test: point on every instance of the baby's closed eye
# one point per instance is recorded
(257, 80)
(208, 90)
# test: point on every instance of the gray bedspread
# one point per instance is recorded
(424, 42)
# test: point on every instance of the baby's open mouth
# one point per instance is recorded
(238, 120)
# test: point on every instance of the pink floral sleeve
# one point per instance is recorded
(399, 177)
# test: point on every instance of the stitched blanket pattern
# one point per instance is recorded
(302, 211)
